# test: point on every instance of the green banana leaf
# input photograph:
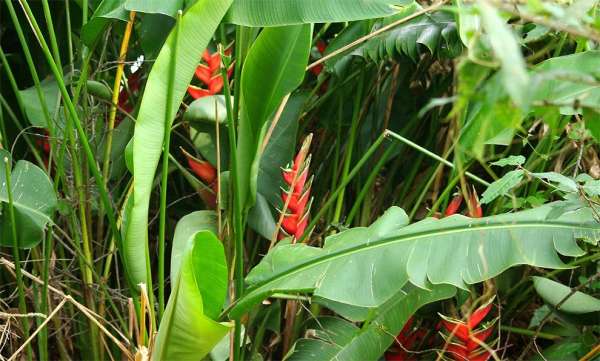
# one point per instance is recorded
(186, 332)
(365, 266)
(275, 66)
(337, 339)
(434, 33)
(196, 29)
(34, 202)
(291, 12)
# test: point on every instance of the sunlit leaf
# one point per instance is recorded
(366, 266)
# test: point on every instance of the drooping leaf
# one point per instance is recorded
(187, 226)
(506, 49)
(502, 186)
(337, 339)
(196, 29)
(554, 292)
(469, 23)
(434, 33)
(170, 7)
(274, 67)
(152, 31)
(366, 266)
(293, 12)
(34, 202)
(107, 11)
(187, 331)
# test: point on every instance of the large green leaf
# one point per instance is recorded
(291, 12)
(366, 266)
(186, 331)
(196, 29)
(34, 202)
(336, 339)
(554, 293)
(274, 67)
(33, 106)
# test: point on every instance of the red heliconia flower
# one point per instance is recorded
(465, 344)
(474, 206)
(406, 340)
(321, 47)
(475, 210)
(207, 174)
(454, 205)
(209, 74)
(296, 196)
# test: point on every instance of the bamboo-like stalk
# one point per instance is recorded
(113, 114)
(165, 171)
(349, 146)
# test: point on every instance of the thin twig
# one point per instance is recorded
(22, 347)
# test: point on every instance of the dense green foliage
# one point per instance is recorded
(266, 179)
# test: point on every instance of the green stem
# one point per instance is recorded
(350, 147)
(165, 173)
(15, 240)
(369, 183)
(237, 213)
(435, 156)
(522, 331)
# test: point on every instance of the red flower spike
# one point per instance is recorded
(478, 337)
(478, 316)
(474, 206)
(460, 330)
(203, 73)
(321, 46)
(484, 356)
(466, 344)
(296, 197)
(454, 205)
(209, 74)
(458, 352)
(197, 93)
(201, 168)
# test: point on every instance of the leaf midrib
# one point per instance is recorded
(397, 239)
